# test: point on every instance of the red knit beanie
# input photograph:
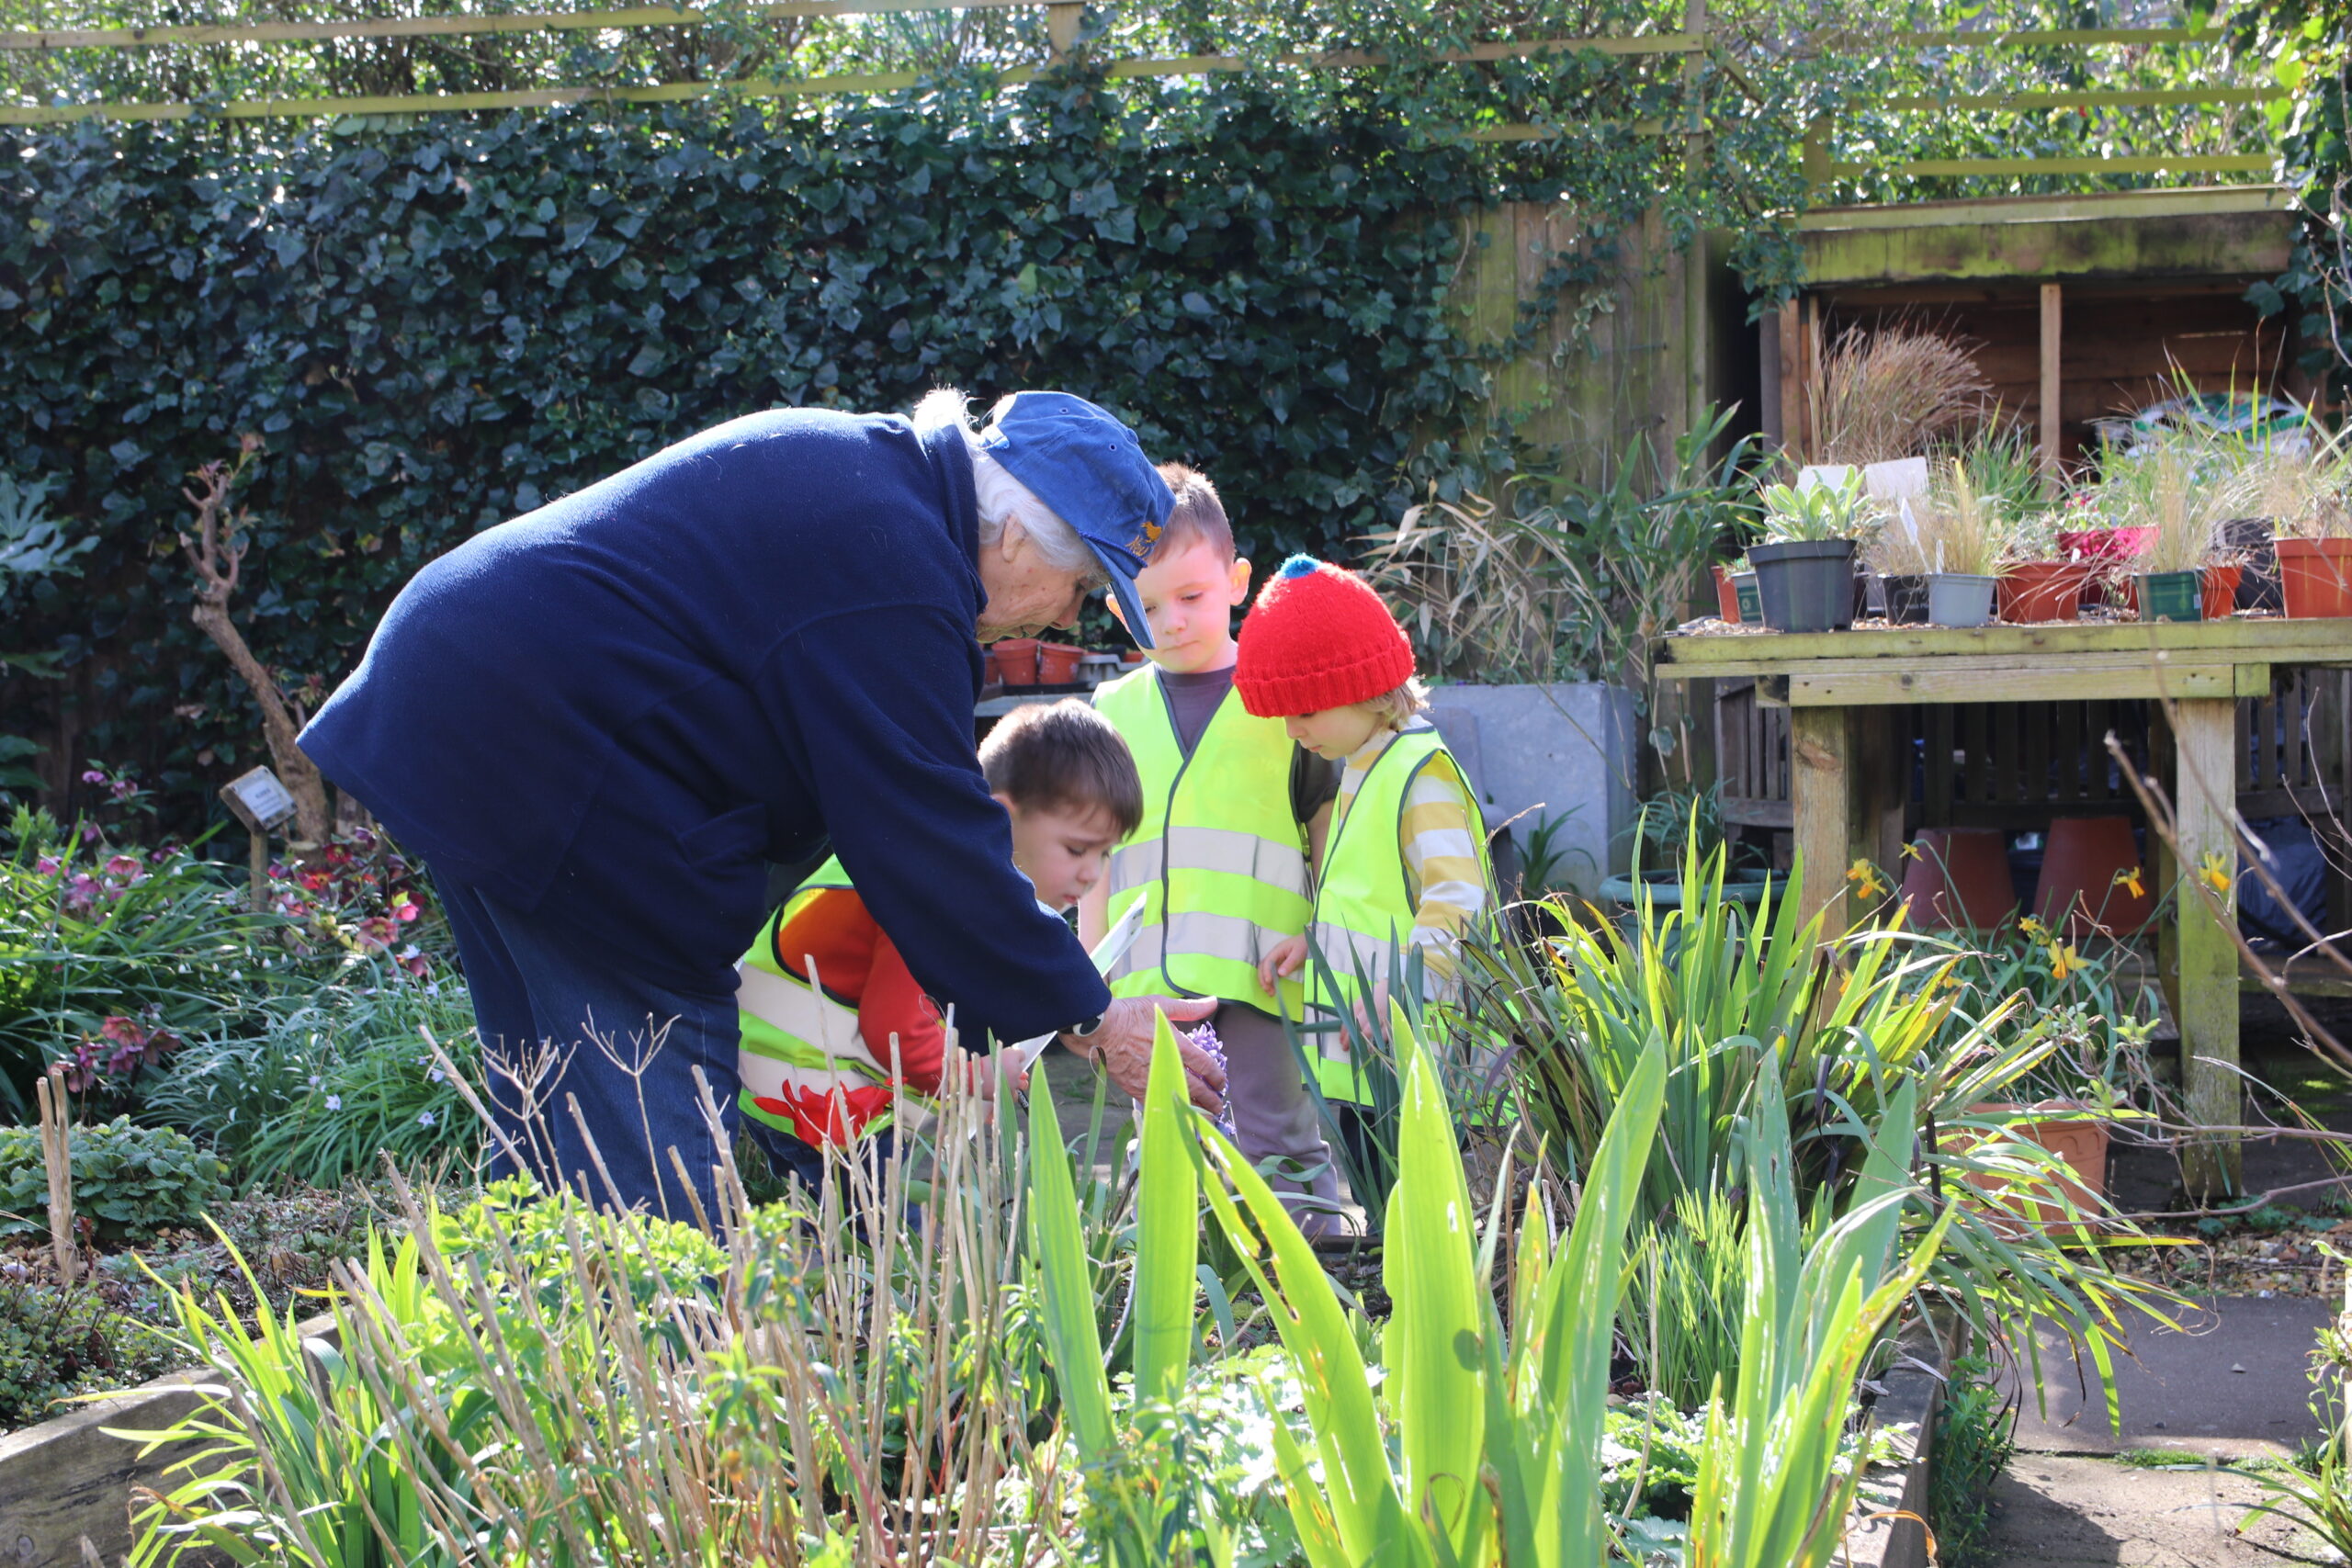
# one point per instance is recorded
(1319, 637)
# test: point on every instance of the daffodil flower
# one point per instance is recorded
(2215, 871)
(2063, 961)
(2128, 879)
(2034, 929)
(1865, 879)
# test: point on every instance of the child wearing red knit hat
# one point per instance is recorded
(1404, 866)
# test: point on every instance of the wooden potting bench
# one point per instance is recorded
(1848, 772)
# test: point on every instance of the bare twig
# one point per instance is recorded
(2161, 821)
(216, 555)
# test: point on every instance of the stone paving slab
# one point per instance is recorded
(2062, 1510)
(2232, 1382)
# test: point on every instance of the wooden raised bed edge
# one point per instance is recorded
(66, 1479)
(1913, 1393)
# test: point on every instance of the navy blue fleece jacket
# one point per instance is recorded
(618, 707)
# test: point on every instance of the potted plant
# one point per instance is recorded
(1804, 566)
(2174, 575)
(1896, 553)
(2298, 492)
(1961, 538)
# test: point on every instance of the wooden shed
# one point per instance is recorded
(2078, 306)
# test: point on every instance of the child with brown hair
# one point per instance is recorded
(1233, 810)
(832, 1020)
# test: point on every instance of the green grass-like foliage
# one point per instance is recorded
(330, 1080)
(1859, 1040)
(1975, 1434)
(1482, 1444)
(130, 1180)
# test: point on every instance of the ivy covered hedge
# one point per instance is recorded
(435, 325)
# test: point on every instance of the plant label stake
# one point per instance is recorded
(261, 803)
(56, 1158)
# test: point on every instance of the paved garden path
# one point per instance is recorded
(2230, 1386)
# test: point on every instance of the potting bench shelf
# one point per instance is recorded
(1848, 780)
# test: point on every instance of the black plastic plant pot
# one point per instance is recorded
(1906, 598)
(1807, 585)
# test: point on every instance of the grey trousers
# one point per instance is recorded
(1274, 1117)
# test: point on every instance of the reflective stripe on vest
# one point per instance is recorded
(801, 1046)
(1364, 903)
(1218, 861)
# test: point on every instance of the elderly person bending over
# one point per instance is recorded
(599, 721)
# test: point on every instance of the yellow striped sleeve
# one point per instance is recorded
(1440, 852)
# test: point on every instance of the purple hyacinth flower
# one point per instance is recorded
(1205, 1039)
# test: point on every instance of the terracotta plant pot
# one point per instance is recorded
(1807, 586)
(2315, 578)
(1906, 598)
(2065, 1130)
(1058, 664)
(1726, 597)
(2081, 863)
(1958, 879)
(2221, 590)
(1016, 660)
(2044, 591)
(1131, 657)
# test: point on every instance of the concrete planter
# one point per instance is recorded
(1562, 752)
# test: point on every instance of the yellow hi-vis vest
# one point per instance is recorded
(800, 1043)
(1364, 900)
(1219, 861)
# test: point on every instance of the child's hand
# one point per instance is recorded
(1379, 1009)
(1287, 956)
(1004, 1068)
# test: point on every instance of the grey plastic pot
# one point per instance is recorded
(1960, 598)
(1807, 585)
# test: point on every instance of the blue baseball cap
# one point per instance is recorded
(1080, 461)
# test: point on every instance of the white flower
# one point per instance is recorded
(334, 1102)
(437, 1075)
(424, 1119)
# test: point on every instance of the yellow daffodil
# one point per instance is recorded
(1865, 879)
(1911, 850)
(2034, 929)
(2129, 879)
(2063, 960)
(2214, 871)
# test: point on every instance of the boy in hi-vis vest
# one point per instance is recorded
(832, 1018)
(1404, 866)
(1232, 811)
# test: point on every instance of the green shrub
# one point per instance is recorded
(56, 1342)
(160, 940)
(1974, 1437)
(132, 1181)
(334, 1078)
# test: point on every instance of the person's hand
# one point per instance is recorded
(1284, 960)
(1379, 1009)
(1124, 1046)
(1002, 1070)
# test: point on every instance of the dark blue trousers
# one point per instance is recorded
(590, 1069)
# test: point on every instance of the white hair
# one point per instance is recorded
(1002, 496)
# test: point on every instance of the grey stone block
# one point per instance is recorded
(1539, 753)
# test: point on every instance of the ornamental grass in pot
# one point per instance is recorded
(1804, 566)
(2300, 493)
(1942, 552)
(2174, 575)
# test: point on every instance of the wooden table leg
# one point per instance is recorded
(2204, 784)
(1846, 799)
